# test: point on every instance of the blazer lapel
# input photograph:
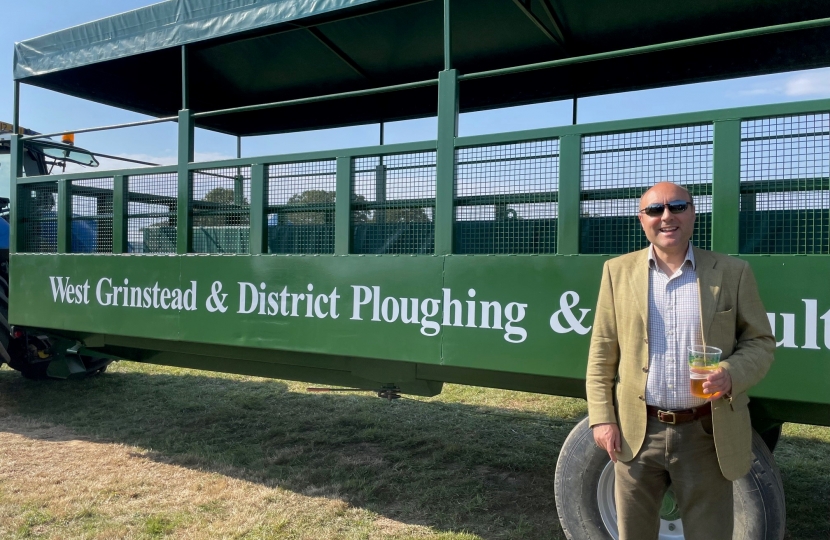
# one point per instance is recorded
(709, 281)
(639, 284)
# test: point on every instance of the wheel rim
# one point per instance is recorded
(671, 528)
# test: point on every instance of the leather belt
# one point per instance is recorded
(680, 416)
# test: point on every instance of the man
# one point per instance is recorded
(653, 304)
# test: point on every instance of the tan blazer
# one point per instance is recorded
(734, 320)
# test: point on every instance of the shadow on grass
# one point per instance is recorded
(454, 467)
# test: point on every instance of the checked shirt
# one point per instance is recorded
(673, 326)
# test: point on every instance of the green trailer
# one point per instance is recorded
(395, 268)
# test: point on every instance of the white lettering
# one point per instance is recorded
(511, 331)
(362, 296)
(811, 324)
(244, 287)
(101, 301)
(58, 287)
(789, 329)
(450, 304)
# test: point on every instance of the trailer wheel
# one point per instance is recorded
(11, 350)
(584, 489)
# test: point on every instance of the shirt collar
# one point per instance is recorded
(690, 256)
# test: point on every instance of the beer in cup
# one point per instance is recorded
(703, 360)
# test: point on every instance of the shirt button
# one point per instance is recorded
(645, 370)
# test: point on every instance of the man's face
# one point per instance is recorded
(668, 232)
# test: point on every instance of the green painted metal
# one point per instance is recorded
(317, 99)
(447, 27)
(184, 216)
(259, 200)
(342, 208)
(64, 231)
(726, 191)
(570, 164)
(659, 47)
(445, 160)
(119, 213)
(17, 209)
(16, 107)
(652, 122)
(103, 128)
(539, 311)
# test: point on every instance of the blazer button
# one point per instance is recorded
(640, 398)
(645, 369)
(645, 340)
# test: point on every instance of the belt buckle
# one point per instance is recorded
(662, 415)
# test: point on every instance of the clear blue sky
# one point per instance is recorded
(46, 111)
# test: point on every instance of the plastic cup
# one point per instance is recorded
(703, 360)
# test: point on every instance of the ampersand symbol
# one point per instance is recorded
(567, 302)
(214, 303)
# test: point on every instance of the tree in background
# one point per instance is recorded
(223, 200)
(326, 216)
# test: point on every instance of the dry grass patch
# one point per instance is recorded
(57, 484)
(149, 452)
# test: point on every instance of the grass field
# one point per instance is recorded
(148, 452)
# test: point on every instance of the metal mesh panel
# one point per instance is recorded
(618, 168)
(151, 213)
(39, 217)
(221, 210)
(301, 199)
(505, 198)
(92, 216)
(785, 185)
(393, 204)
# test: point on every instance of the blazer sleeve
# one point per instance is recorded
(754, 342)
(603, 356)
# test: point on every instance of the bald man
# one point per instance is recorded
(654, 304)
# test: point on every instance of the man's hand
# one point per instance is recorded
(607, 437)
(717, 384)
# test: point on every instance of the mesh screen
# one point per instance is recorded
(221, 210)
(618, 168)
(505, 198)
(393, 204)
(151, 213)
(92, 216)
(785, 185)
(301, 199)
(38, 217)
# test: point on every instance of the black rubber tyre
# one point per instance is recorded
(14, 351)
(582, 468)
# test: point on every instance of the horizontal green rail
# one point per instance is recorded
(579, 203)
(658, 47)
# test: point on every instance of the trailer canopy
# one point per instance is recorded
(245, 52)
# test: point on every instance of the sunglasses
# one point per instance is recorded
(657, 209)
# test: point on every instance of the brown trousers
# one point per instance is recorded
(683, 456)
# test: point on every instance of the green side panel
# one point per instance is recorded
(539, 310)
(800, 309)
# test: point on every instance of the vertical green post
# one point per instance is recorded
(16, 212)
(119, 213)
(447, 37)
(64, 224)
(570, 175)
(16, 164)
(445, 160)
(343, 207)
(259, 188)
(726, 186)
(184, 221)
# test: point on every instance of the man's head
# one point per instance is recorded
(669, 232)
